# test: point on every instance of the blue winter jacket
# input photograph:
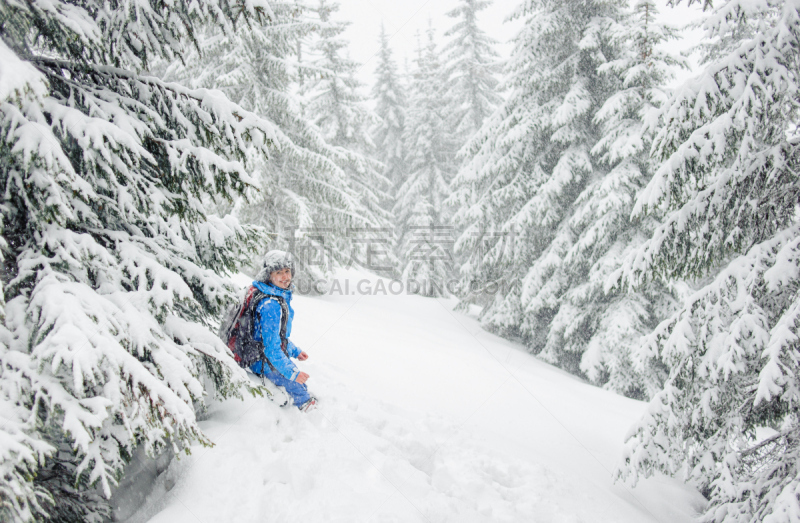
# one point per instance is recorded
(268, 327)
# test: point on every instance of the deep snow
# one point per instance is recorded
(424, 417)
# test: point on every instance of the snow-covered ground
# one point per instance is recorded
(424, 417)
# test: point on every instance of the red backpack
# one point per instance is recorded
(238, 326)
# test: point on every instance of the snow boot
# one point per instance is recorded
(310, 405)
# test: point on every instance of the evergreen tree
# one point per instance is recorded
(424, 231)
(546, 196)
(334, 104)
(728, 189)
(601, 325)
(530, 162)
(390, 107)
(22, 448)
(112, 269)
(471, 66)
(306, 200)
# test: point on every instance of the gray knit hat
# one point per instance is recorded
(274, 261)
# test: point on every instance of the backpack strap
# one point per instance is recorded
(254, 300)
(284, 322)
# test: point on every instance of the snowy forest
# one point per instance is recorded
(638, 233)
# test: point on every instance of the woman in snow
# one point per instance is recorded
(273, 326)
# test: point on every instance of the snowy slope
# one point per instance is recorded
(424, 417)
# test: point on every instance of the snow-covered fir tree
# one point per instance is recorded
(112, 268)
(332, 98)
(546, 196)
(390, 107)
(728, 417)
(424, 232)
(471, 66)
(532, 159)
(512, 157)
(306, 200)
(22, 448)
(333, 102)
(605, 326)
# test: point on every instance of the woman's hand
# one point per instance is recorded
(302, 356)
(301, 378)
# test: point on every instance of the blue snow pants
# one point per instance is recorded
(297, 391)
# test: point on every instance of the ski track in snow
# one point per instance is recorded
(424, 417)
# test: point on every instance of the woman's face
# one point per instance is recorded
(281, 278)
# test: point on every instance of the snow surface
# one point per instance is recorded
(424, 417)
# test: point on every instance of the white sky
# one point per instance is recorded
(402, 18)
